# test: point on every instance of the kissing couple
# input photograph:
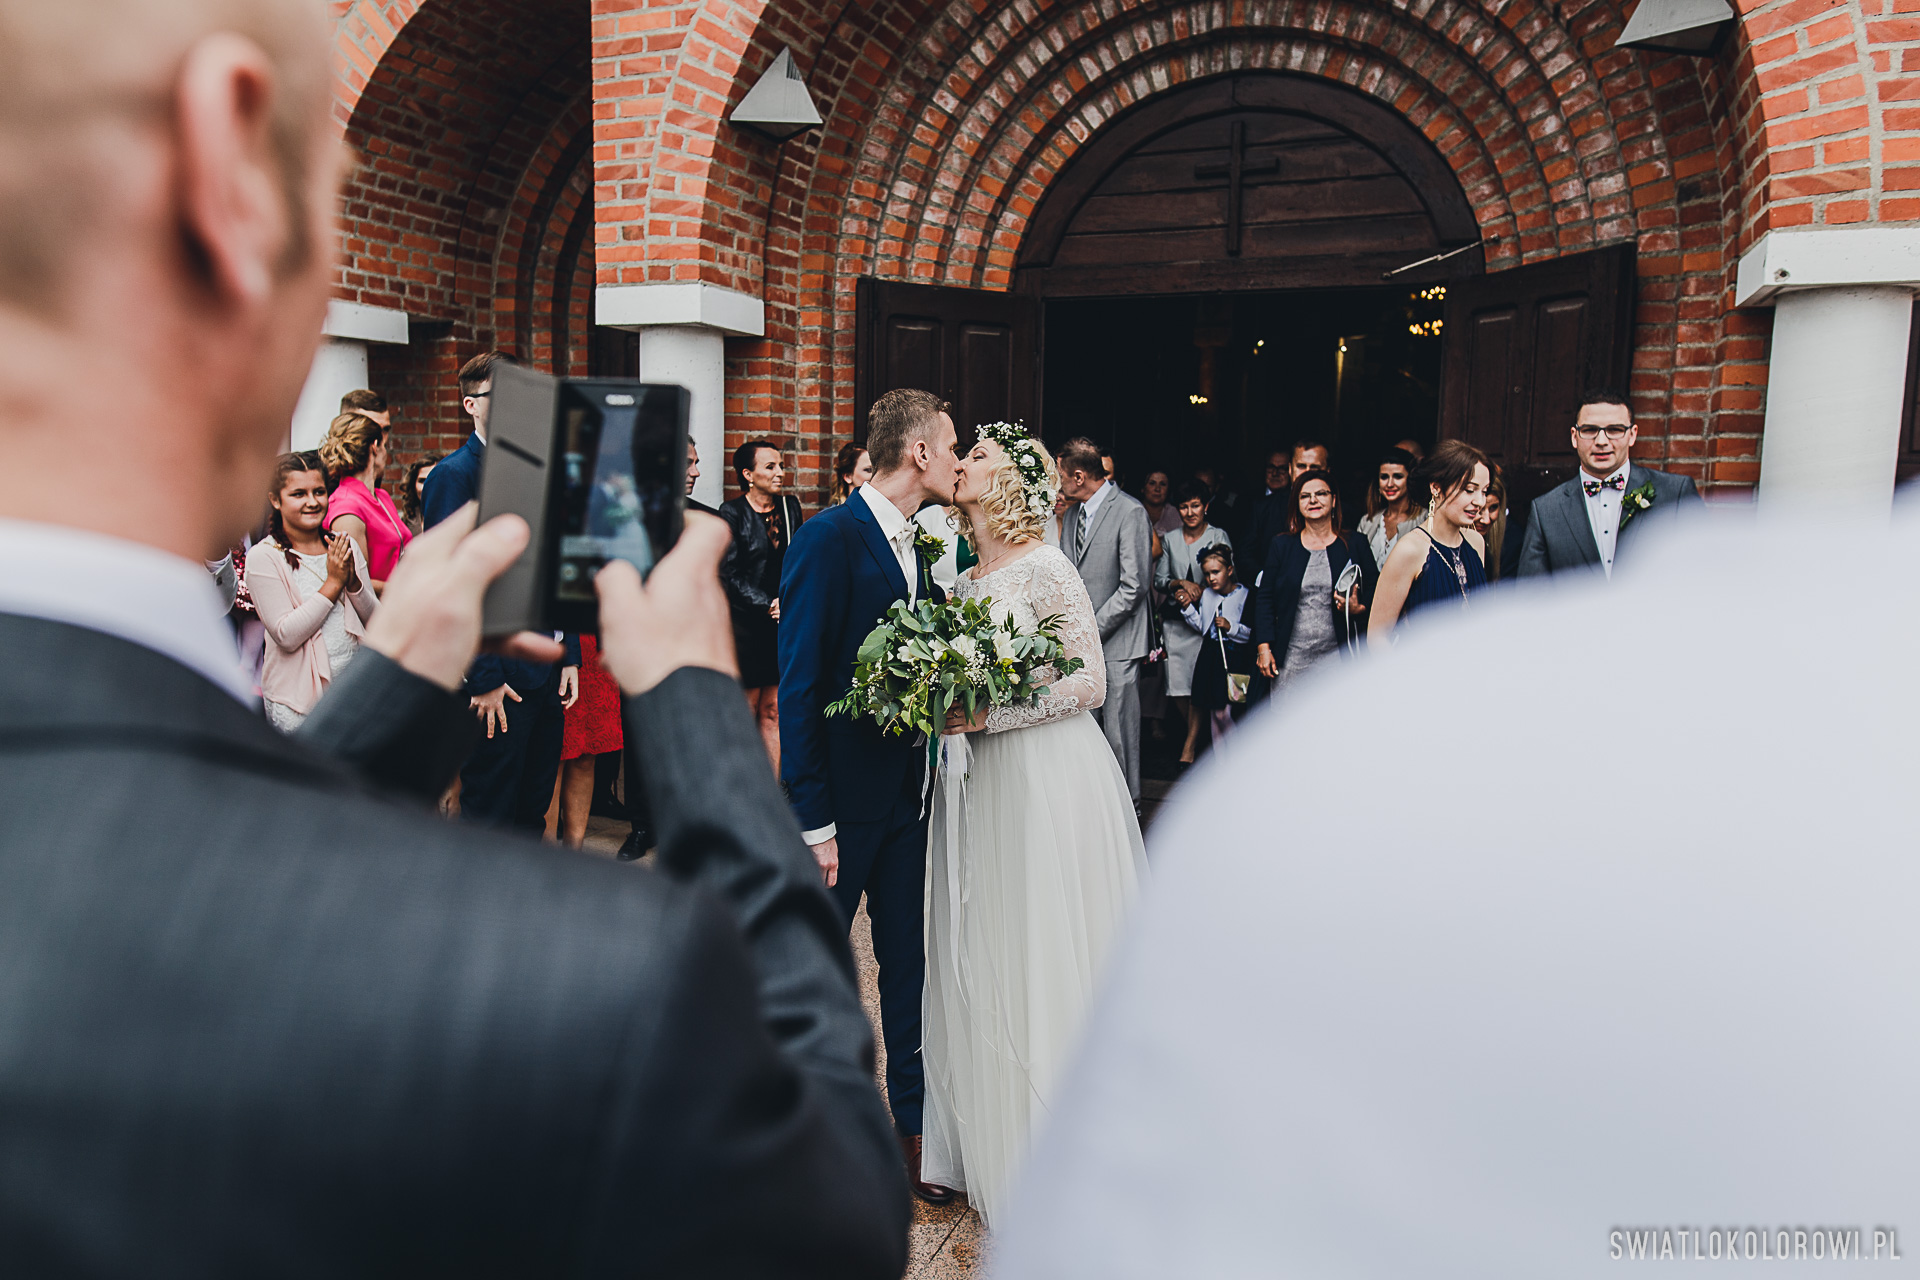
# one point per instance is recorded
(995, 902)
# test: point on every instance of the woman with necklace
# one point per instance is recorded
(1441, 562)
(763, 519)
(303, 579)
(1316, 588)
(355, 455)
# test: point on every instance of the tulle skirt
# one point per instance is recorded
(1033, 857)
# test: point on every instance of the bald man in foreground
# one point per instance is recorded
(255, 1018)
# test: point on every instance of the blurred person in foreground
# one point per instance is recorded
(262, 1019)
(1471, 1058)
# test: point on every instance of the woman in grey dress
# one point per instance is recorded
(1180, 580)
(1305, 612)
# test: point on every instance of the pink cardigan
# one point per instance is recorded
(297, 668)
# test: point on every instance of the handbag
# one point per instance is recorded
(1237, 682)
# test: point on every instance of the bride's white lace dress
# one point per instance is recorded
(1033, 856)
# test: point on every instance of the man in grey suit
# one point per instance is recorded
(1581, 524)
(264, 1013)
(1110, 540)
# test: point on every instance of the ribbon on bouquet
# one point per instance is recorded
(956, 754)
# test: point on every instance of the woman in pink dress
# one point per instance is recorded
(355, 454)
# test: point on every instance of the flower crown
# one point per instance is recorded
(1029, 459)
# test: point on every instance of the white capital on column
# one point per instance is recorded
(683, 330)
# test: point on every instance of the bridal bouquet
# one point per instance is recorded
(924, 660)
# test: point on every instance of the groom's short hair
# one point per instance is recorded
(896, 420)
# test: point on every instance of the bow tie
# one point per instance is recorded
(1618, 480)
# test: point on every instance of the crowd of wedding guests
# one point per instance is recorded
(1211, 598)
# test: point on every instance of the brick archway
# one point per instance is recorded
(938, 147)
(469, 207)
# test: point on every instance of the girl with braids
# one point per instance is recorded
(302, 579)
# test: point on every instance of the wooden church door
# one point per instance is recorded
(977, 348)
(1522, 346)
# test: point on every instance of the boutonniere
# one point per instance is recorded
(929, 548)
(1634, 501)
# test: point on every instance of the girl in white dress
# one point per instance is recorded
(1033, 849)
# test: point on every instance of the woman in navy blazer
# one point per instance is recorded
(1315, 523)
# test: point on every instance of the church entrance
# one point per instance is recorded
(1178, 383)
(1253, 259)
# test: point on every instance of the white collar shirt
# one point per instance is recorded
(899, 532)
(1603, 513)
(1090, 505)
(130, 590)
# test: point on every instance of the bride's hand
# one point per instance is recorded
(957, 721)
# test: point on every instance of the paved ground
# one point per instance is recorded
(946, 1242)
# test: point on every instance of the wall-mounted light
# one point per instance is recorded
(1696, 27)
(778, 105)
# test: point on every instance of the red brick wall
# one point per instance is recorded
(945, 123)
(469, 207)
(942, 134)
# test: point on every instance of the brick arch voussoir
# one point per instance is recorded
(362, 34)
(526, 236)
(1014, 168)
(1097, 53)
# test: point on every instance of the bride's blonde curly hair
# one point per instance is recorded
(1018, 500)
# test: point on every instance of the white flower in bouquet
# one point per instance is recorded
(924, 660)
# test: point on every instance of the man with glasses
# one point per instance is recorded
(508, 781)
(1578, 524)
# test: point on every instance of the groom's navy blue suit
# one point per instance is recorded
(839, 580)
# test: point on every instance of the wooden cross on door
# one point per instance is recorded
(1234, 171)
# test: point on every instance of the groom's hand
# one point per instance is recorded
(827, 854)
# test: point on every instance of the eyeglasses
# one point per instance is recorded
(1614, 431)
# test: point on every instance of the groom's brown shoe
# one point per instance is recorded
(931, 1192)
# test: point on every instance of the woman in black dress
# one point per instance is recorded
(763, 520)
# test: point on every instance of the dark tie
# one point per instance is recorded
(1618, 480)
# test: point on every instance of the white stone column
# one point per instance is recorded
(340, 365)
(1836, 379)
(683, 330)
(1835, 387)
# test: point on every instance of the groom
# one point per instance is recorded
(856, 792)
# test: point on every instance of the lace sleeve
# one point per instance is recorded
(1055, 588)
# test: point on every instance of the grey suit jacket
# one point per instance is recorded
(1116, 562)
(1559, 536)
(260, 1020)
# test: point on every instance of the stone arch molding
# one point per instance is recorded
(957, 137)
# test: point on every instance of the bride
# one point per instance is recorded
(1033, 850)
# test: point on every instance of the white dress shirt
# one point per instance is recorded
(127, 589)
(1603, 513)
(899, 532)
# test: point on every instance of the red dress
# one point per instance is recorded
(593, 721)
